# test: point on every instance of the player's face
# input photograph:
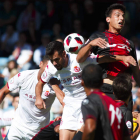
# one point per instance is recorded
(116, 21)
(58, 60)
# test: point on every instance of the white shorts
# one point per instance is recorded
(18, 134)
(72, 118)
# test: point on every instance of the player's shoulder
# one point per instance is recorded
(97, 35)
(91, 100)
(131, 43)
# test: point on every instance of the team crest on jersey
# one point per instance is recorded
(44, 75)
(11, 80)
(76, 69)
(129, 124)
(47, 93)
(47, 66)
(85, 102)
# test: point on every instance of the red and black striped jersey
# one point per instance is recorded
(110, 124)
(117, 45)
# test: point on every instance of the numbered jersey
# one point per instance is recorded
(117, 45)
(110, 123)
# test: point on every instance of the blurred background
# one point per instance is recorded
(26, 27)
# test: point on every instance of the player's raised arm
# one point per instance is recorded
(85, 51)
(3, 92)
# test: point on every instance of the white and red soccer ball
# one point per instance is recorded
(73, 43)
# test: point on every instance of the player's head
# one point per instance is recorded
(43, 64)
(15, 100)
(56, 53)
(115, 16)
(122, 86)
(92, 77)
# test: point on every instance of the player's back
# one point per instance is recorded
(109, 119)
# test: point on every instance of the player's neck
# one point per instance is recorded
(113, 30)
(90, 90)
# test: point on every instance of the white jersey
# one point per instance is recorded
(28, 117)
(70, 76)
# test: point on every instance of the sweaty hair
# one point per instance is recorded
(113, 7)
(122, 86)
(54, 46)
(45, 58)
(92, 76)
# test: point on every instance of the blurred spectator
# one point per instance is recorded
(77, 28)
(29, 14)
(23, 53)
(57, 32)
(8, 41)
(41, 50)
(69, 17)
(7, 70)
(56, 108)
(136, 106)
(59, 39)
(91, 18)
(11, 111)
(33, 35)
(7, 15)
(49, 16)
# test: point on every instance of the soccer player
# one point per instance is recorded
(28, 119)
(68, 70)
(102, 117)
(122, 86)
(111, 42)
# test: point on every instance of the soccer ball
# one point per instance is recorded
(73, 43)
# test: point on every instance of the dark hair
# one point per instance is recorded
(14, 94)
(113, 7)
(122, 86)
(54, 46)
(92, 76)
(45, 58)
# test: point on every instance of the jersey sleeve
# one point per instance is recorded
(49, 72)
(15, 81)
(133, 52)
(92, 37)
(89, 109)
(129, 121)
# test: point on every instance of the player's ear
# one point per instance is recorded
(82, 83)
(63, 53)
(107, 19)
(41, 64)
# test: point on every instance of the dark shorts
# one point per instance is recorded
(48, 133)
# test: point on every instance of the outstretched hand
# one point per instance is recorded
(129, 60)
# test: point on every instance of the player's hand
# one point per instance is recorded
(135, 114)
(99, 42)
(40, 104)
(57, 118)
(129, 60)
(138, 119)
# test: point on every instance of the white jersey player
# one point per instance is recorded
(28, 118)
(68, 71)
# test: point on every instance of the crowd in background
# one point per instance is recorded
(26, 27)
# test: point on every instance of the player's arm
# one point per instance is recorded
(85, 51)
(59, 93)
(39, 103)
(89, 129)
(137, 132)
(3, 92)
